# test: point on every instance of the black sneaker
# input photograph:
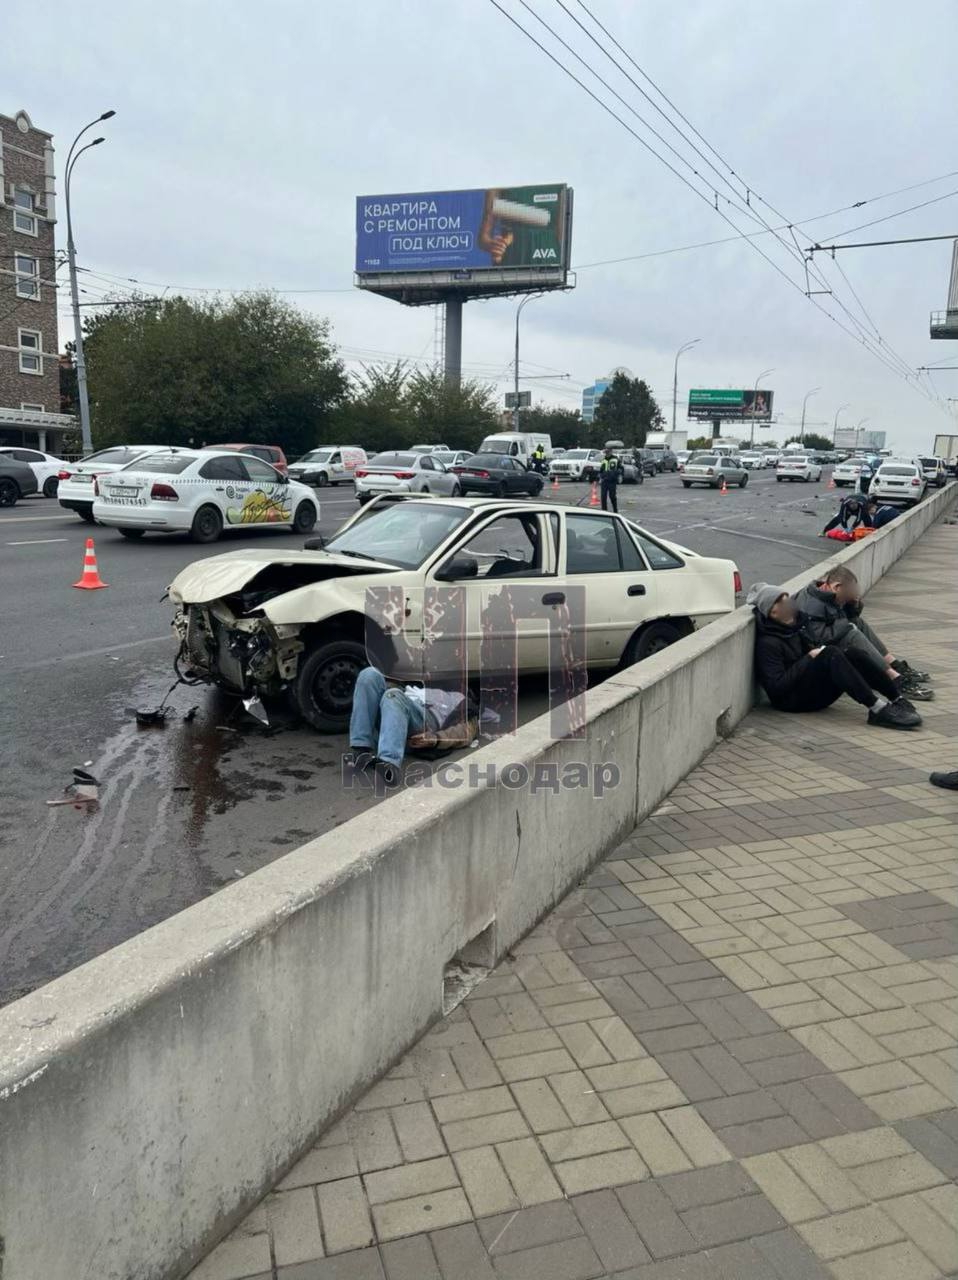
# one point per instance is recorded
(895, 715)
(903, 669)
(388, 774)
(947, 780)
(358, 757)
(917, 693)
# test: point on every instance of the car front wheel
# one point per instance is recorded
(323, 692)
(132, 534)
(322, 480)
(50, 486)
(9, 493)
(207, 525)
(686, 484)
(744, 481)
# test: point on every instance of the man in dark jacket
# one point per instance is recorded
(799, 675)
(609, 470)
(830, 611)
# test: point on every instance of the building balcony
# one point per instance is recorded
(944, 324)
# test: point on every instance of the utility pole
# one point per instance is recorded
(763, 374)
(808, 395)
(82, 395)
(675, 379)
(515, 407)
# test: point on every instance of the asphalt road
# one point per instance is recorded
(186, 808)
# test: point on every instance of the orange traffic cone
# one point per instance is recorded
(90, 579)
(594, 496)
(831, 483)
(555, 482)
(724, 489)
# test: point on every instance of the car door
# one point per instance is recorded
(619, 590)
(506, 631)
(227, 485)
(268, 498)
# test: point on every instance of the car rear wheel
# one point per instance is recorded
(743, 482)
(779, 479)
(323, 691)
(536, 489)
(50, 486)
(207, 525)
(686, 484)
(9, 492)
(305, 518)
(652, 639)
(501, 489)
(457, 491)
(132, 534)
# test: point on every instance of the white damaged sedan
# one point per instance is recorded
(445, 588)
(201, 493)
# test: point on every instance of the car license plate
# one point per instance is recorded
(125, 501)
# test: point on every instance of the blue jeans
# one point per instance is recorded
(382, 712)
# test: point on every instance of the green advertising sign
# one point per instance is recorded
(730, 403)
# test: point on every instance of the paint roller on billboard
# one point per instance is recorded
(496, 227)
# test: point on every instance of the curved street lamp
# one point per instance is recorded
(675, 379)
(763, 374)
(808, 395)
(835, 423)
(82, 395)
(515, 407)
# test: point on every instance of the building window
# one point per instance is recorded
(24, 218)
(31, 351)
(27, 271)
(33, 408)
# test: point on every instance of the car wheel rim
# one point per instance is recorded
(333, 685)
(207, 523)
(8, 493)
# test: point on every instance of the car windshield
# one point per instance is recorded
(705, 459)
(931, 463)
(162, 464)
(317, 455)
(390, 460)
(576, 453)
(497, 446)
(485, 460)
(898, 471)
(121, 455)
(800, 458)
(402, 533)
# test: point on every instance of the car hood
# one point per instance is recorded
(218, 576)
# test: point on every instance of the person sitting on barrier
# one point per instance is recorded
(831, 613)
(799, 675)
(387, 717)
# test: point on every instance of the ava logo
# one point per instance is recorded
(544, 253)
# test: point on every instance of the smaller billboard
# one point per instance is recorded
(731, 405)
(524, 400)
(857, 438)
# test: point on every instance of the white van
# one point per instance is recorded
(518, 444)
(331, 464)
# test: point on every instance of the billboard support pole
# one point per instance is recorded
(453, 345)
(716, 428)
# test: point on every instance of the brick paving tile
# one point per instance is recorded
(410, 1259)
(610, 1230)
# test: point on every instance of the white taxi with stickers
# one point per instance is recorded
(201, 493)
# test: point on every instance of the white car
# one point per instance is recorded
(430, 448)
(752, 460)
(454, 458)
(201, 493)
(772, 457)
(899, 480)
(936, 472)
(334, 464)
(306, 622)
(44, 466)
(797, 466)
(408, 472)
(849, 472)
(76, 480)
(576, 464)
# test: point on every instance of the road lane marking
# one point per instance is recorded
(92, 653)
(759, 537)
(33, 519)
(36, 542)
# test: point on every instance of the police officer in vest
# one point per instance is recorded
(539, 459)
(610, 470)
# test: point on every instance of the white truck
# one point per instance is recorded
(518, 444)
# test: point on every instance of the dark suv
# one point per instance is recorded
(648, 460)
(666, 459)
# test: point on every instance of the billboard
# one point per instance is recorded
(857, 438)
(485, 229)
(732, 406)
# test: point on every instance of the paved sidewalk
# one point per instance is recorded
(730, 1055)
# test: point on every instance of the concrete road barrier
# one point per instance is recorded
(150, 1097)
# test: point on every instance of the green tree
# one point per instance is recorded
(812, 441)
(457, 416)
(767, 444)
(699, 442)
(185, 371)
(374, 414)
(626, 411)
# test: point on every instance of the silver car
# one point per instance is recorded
(714, 469)
(404, 473)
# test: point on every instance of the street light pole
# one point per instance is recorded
(835, 423)
(82, 395)
(763, 374)
(808, 395)
(858, 428)
(515, 407)
(675, 380)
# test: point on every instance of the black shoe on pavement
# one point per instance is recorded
(903, 669)
(947, 780)
(358, 757)
(895, 715)
(389, 774)
(917, 693)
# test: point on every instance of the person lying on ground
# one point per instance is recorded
(799, 675)
(387, 717)
(857, 512)
(831, 613)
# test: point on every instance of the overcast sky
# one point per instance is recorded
(244, 132)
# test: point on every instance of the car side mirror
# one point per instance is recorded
(316, 543)
(458, 567)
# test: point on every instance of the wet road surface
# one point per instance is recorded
(188, 807)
